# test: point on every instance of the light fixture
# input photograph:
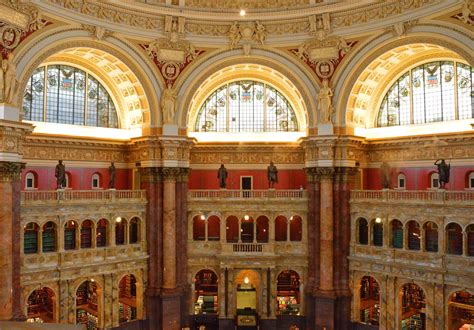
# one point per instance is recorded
(119, 219)
(378, 220)
(242, 12)
(246, 217)
(203, 217)
(92, 280)
(246, 280)
(291, 218)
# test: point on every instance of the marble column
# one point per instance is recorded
(326, 230)
(170, 294)
(10, 290)
(151, 183)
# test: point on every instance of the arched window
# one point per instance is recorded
(470, 240)
(470, 180)
(232, 229)
(453, 239)
(434, 180)
(247, 229)
(134, 231)
(120, 230)
(295, 228)
(429, 93)
(397, 234)
(67, 95)
(213, 228)
(101, 233)
(95, 181)
(49, 237)
(431, 236)
(70, 235)
(246, 106)
(30, 238)
(413, 235)
(30, 180)
(262, 229)
(377, 232)
(401, 181)
(281, 229)
(86, 234)
(363, 231)
(199, 228)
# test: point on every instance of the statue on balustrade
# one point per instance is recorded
(222, 176)
(386, 177)
(60, 174)
(443, 172)
(272, 174)
(112, 176)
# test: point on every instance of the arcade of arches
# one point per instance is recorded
(225, 164)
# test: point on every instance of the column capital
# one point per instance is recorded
(170, 173)
(183, 175)
(10, 171)
(311, 174)
(342, 174)
(325, 173)
(150, 174)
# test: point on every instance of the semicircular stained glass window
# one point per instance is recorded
(431, 92)
(246, 106)
(67, 95)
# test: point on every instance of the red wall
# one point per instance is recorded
(80, 178)
(207, 179)
(418, 178)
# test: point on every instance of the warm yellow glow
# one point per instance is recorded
(378, 220)
(246, 217)
(203, 217)
(247, 137)
(242, 12)
(118, 220)
(246, 280)
(85, 131)
(411, 130)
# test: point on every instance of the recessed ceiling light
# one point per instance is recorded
(242, 12)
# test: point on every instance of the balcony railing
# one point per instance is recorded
(236, 194)
(439, 196)
(80, 195)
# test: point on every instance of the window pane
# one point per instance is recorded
(433, 92)
(33, 100)
(465, 91)
(52, 94)
(66, 95)
(79, 96)
(92, 97)
(418, 95)
(447, 84)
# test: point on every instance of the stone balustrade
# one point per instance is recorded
(247, 194)
(209, 248)
(439, 196)
(79, 196)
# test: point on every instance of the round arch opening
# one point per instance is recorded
(88, 304)
(461, 310)
(288, 293)
(206, 291)
(412, 307)
(41, 306)
(128, 302)
(369, 300)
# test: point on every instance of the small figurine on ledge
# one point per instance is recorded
(443, 172)
(60, 174)
(222, 176)
(112, 176)
(272, 174)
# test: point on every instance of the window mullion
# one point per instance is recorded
(45, 91)
(412, 110)
(264, 107)
(456, 107)
(86, 98)
(227, 109)
(441, 87)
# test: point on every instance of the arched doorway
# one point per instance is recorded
(247, 297)
(205, 290)
(42, 306)
(87, 305)
(461, 311)
(412, 307)
(369, 304)
(127, 299)
(288, 293)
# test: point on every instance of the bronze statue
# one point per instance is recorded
(443, 172)
(222, 176)
(385, 175)
(272, 174)
(60, 174)
(112, 176)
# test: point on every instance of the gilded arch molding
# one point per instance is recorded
(304, 85)
(139, 72)
(439, 37)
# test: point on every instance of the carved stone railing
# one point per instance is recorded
(413, 196)
(85, 196)
(245, 194)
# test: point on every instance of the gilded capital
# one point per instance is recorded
(149, 174)
(325, 173)
(311, 174)
(10, 171)
(170, 173)
(184, 174)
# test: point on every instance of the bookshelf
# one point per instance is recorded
(49, 237)
(86, 237)
(206, 292)
(30, 242)
(40, 306)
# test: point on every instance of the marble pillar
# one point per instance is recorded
(326, 282)
(10, 290)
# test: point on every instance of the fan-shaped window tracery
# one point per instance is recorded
(431, 92)
(67, 95)
(246, 106)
